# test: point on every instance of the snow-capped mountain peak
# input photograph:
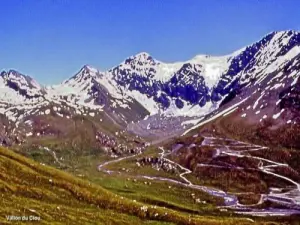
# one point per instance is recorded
(88, 68)
(85, 74)
(142, 56)
(22, 84)
(23, 80)
(142, 59)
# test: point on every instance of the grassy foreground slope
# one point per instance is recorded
(28, 188)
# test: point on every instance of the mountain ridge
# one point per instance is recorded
(233, 53)
(145, 86)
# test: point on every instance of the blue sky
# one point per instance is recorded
(51, 40)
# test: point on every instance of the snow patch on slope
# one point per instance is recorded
(148, 103)
(229, 109)
(213, 67)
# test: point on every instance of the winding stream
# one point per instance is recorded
(290, 199)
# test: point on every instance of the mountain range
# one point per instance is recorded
(264, 76)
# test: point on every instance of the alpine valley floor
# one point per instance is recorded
(187, 180)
